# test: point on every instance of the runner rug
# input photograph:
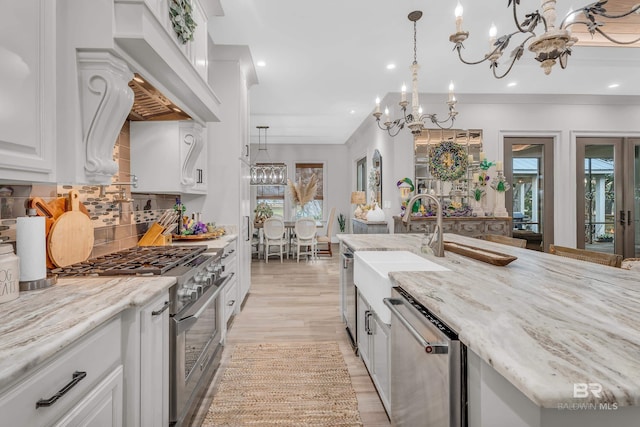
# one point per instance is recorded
(297, 384)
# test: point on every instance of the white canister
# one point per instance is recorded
(9, 274)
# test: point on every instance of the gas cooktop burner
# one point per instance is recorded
(146, 260)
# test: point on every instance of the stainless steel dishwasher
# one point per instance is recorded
(349, 296)
(428, 374)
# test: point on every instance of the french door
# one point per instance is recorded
(528, 165)
(608, 195)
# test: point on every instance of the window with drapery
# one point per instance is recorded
(314, 208)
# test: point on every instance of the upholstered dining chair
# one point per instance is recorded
(305, 229)
(273, 230)
(326, 238)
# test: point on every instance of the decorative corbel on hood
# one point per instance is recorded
(105, 102)
(191, 135)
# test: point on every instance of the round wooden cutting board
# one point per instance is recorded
(71, 236)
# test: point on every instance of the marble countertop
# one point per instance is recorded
(42, 322)
(543, 322)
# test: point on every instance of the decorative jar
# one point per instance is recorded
(9, 274)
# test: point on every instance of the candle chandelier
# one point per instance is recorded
(416, 119)
(266, 172)
(554, 44)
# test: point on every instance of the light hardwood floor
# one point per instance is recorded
(292, 302)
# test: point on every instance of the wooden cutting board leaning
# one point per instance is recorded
(70, 239)
(52, 210)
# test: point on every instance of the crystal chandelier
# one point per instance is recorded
(554, 44)
(416, 119)
(266, 172)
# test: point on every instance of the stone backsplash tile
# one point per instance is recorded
(117, 224)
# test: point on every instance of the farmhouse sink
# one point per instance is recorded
(371, 275)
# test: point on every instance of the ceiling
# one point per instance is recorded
(326, 60)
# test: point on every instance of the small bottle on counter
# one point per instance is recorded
(9, 274)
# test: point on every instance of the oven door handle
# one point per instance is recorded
(187, 320)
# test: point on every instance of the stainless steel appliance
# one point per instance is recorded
(195, 338)
(195, 309)
(348, 291)
(428, 376)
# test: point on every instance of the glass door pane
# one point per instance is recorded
(529, 168)
(632, 201)
(600, 195)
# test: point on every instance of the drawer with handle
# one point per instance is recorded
(51, 389)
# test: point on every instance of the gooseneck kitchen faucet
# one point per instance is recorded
(436, 242)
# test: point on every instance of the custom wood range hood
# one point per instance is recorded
(150, 104)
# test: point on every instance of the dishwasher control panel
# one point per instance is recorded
(428, 315)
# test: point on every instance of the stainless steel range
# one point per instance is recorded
(195, 309)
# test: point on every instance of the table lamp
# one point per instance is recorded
(358, 198)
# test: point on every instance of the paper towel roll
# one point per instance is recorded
(31, 248)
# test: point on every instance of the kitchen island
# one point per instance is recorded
(539, 331)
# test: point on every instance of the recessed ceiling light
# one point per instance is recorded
(391, 66)
(512, 84)
(614, 85)
(352, 112)
(261, 64)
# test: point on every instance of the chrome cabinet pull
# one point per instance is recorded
(164, 307)
(230, 303)
(622, 220)
(76, 378)
(628, 217)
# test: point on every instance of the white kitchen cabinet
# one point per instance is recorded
(232, 298)
(363, 332)
(373, 346)
(154, 363)
(101, 407)
(200, 171)
(169, 157)
(146, 363)
(381, 361)
(27, 85)
(231, 74)
(82, 379)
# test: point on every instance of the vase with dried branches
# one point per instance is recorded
(302, 193)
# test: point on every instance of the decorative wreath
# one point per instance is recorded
(448, 161)
(181, 20)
